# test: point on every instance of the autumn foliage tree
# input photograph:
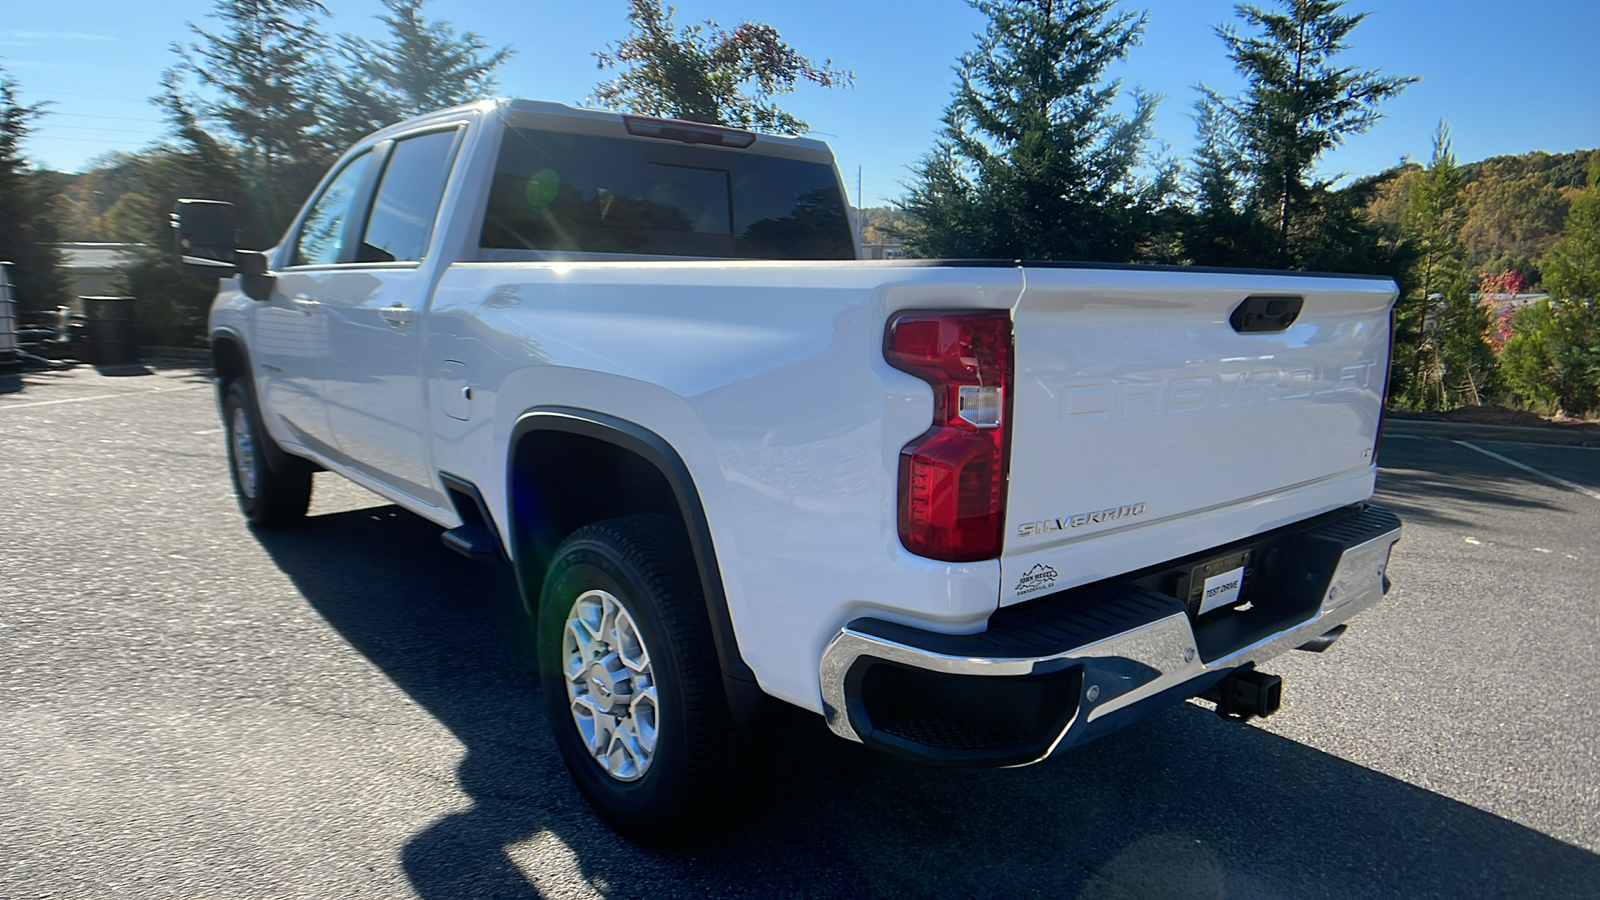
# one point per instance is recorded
(1495, 290)
(705, 73)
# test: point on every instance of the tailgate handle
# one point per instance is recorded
(1259, 315)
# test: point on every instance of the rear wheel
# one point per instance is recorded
(269, 495)
(631, 678)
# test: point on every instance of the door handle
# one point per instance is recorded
(306, 304)
(396, 314)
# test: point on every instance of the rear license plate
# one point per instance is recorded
(1218, 583)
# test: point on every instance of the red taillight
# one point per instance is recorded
(953, 477)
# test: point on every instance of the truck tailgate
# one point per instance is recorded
(1145, 427)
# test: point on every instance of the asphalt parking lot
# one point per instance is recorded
(192, 709)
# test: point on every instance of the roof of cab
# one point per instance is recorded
(596, 119)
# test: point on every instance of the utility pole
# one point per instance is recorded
(858, 206)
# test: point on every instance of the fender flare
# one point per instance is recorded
(737, 676)
(277, 457)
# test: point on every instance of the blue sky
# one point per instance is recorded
(1509, 78)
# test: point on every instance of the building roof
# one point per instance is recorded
(93, 257)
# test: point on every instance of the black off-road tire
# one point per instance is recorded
(646, 563)
(273, 487)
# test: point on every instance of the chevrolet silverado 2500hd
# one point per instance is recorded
(971, 513)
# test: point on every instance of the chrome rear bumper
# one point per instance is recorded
(1117, 649)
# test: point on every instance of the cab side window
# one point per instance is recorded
(408, 198)
(322, 233)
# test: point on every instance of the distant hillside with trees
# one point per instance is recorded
(1514, 206)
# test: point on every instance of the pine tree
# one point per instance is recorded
(1032, 161)
(266, 76)
(1571, 270)
(1298, 103)
(1442, 354)
(1433, 217)
(704, 73)
(1222, 231)
(422, 66)
(27, 223)
(1554, 354)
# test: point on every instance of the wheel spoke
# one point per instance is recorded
(588, 722)
(629, 647)
(588, 612)
(579, 647)
(626, 758)
(608, 621)
(642, 715)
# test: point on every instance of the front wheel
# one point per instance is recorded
(631, 678)
(269, 495)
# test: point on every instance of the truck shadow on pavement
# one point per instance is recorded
(1183, 805)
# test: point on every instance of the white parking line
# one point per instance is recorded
(191, 387)
(1531, 470)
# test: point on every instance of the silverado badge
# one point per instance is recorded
(1030, 529)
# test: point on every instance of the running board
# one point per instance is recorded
(476, 537)
(475, 542)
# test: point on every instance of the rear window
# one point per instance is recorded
(589, 194)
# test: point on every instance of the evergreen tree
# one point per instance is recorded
(1433, 217)
(1554, 353)
(421, 67)
(266, 74)
(28, 226)
(1297, 105)
(1032, 161)
(703, 73)
(1442, 356)
(1223, 231)
(172, 305)
(1571, 269)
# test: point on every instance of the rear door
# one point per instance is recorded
(1147, 426)
(373, 384)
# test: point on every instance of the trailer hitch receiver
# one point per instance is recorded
(1246, 694)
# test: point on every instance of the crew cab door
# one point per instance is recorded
(374, 384)
(292, 339)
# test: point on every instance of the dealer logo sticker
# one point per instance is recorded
(1039, 578)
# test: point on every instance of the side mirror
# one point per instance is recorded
(204, 237)
(254, 278)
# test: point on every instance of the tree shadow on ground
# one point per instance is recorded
(1427, 481)
(1184, 804)
(188, 373)
(82, 373)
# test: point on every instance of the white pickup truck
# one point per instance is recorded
(972, 513)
